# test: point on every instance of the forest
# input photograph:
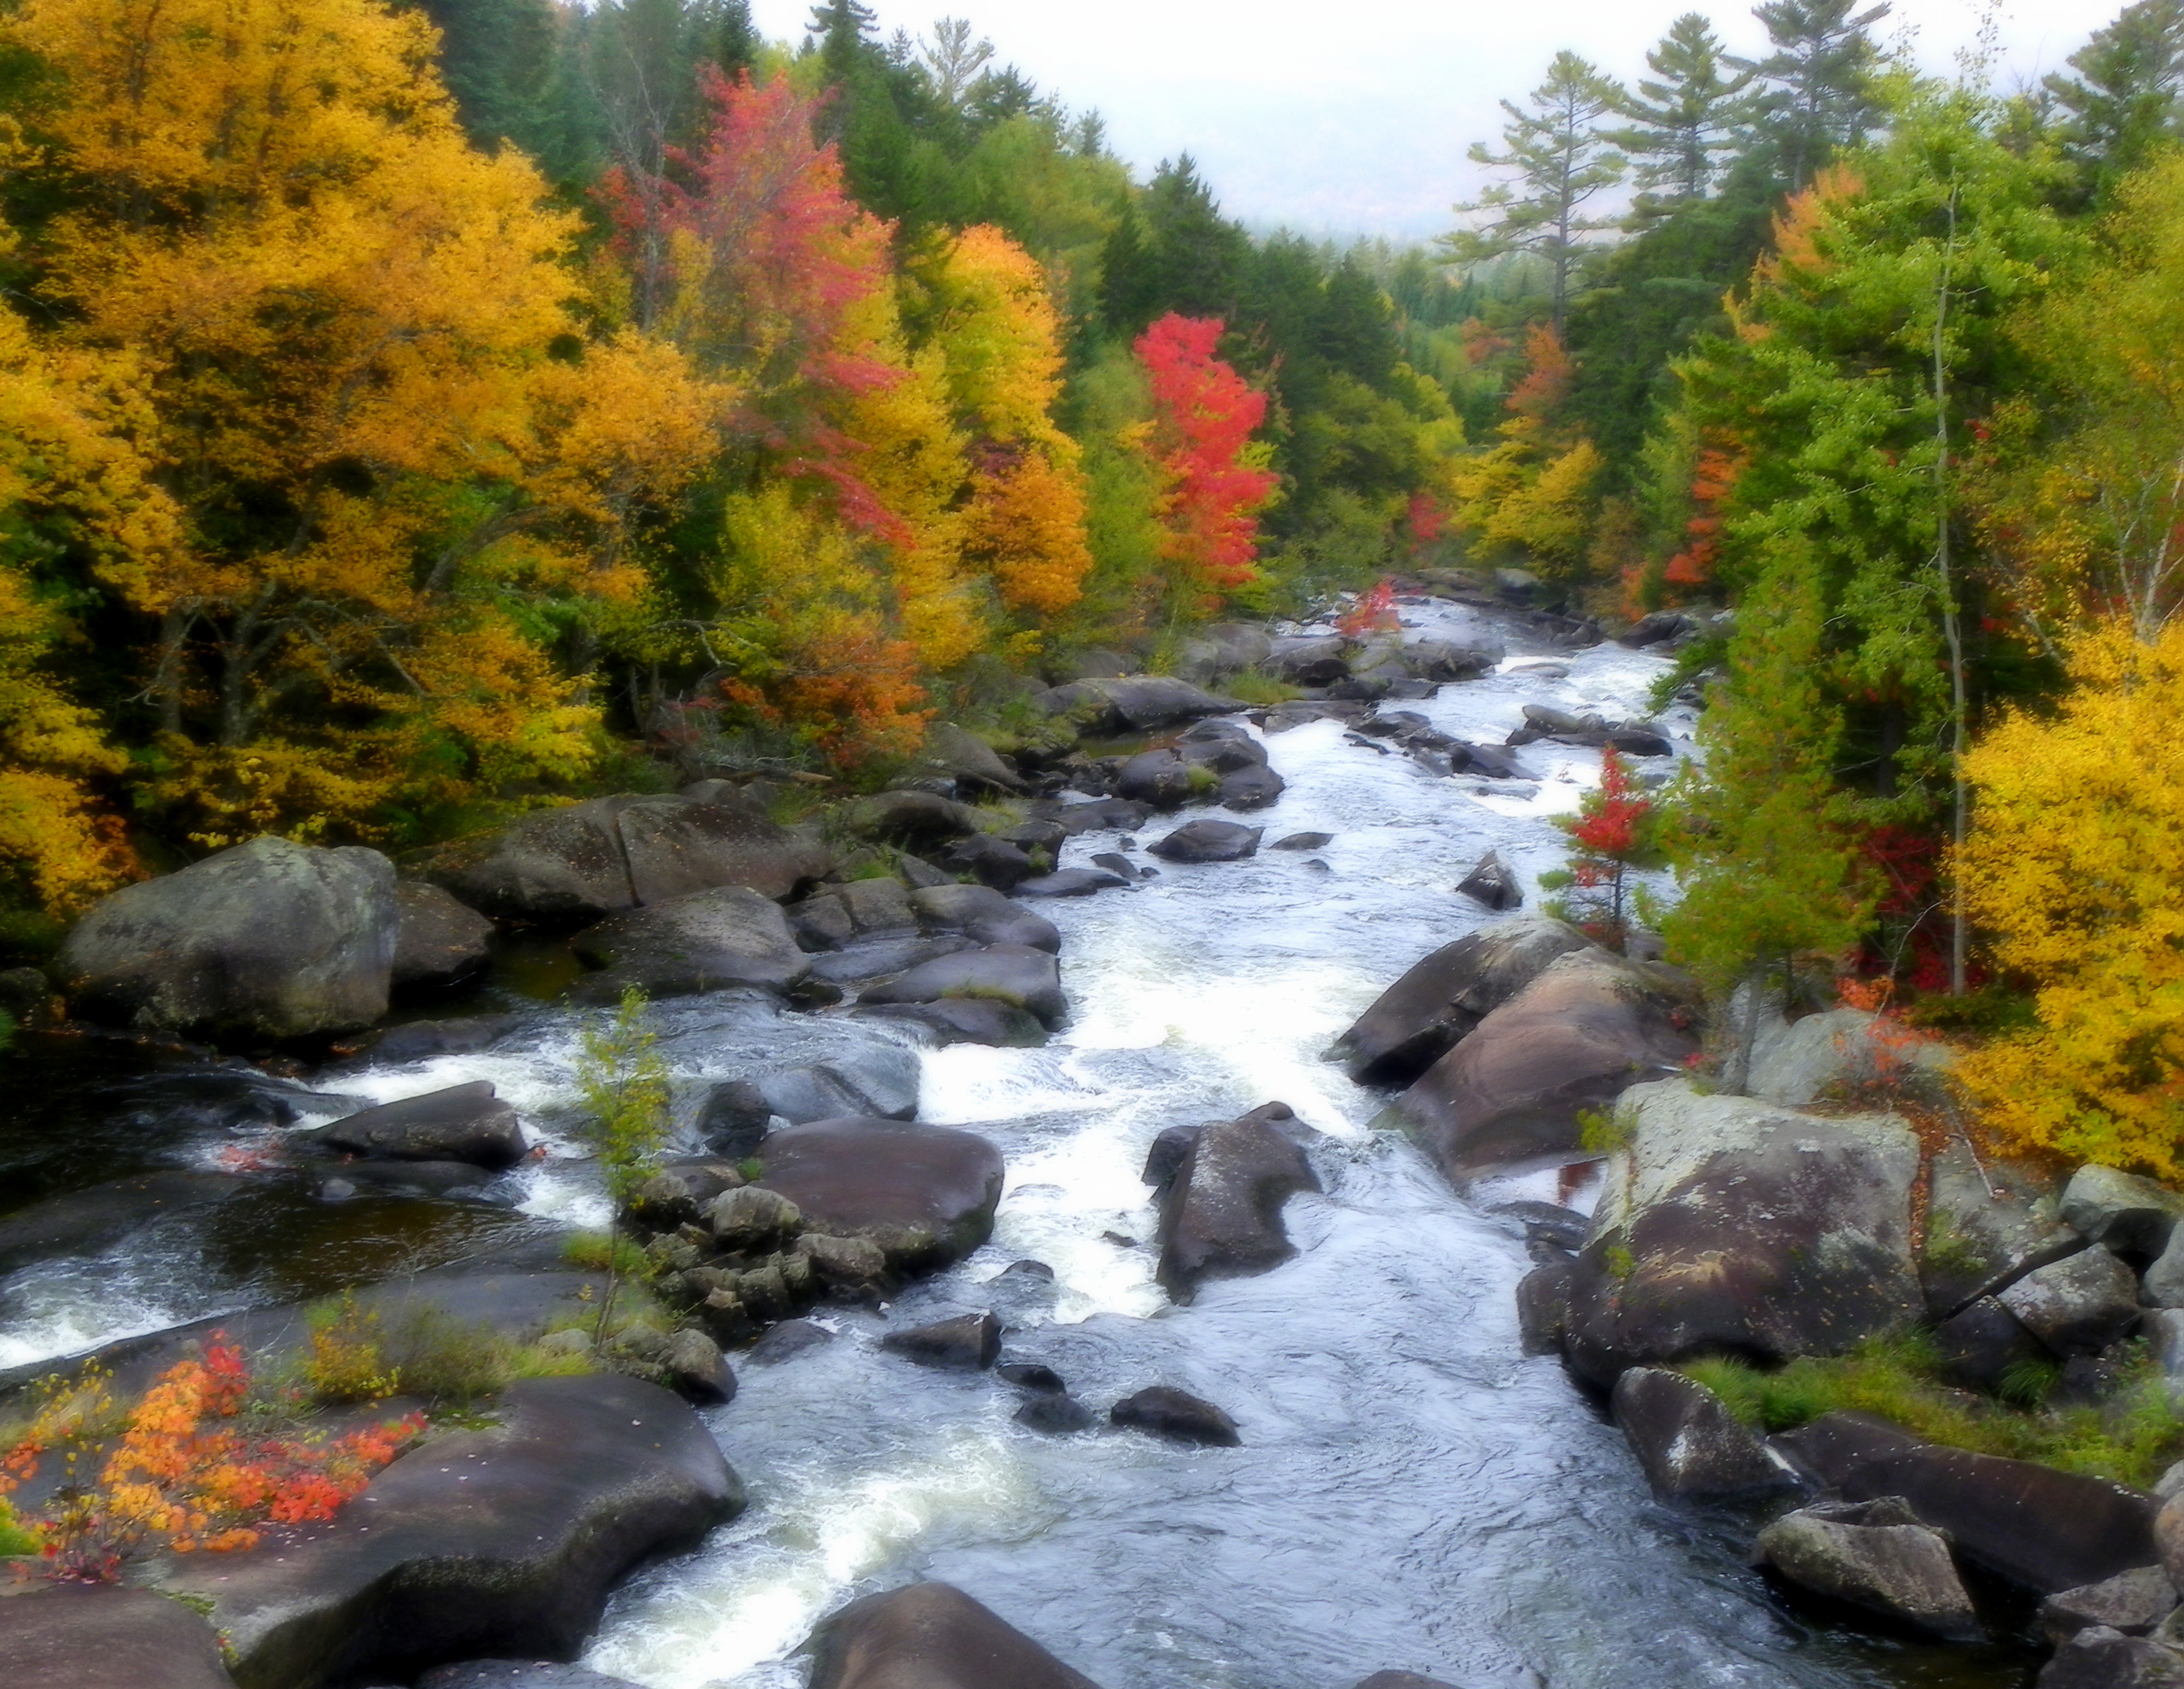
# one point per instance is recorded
(413, 415)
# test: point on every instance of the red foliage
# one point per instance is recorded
(1425, 520)
(1375, 612)
(1607, 825)
(1713, 479)
(1203, 415)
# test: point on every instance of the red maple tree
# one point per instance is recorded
(1610, 831)
(1203, 416)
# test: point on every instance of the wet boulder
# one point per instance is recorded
(439, 943)
(930, 1636)
(1016, 974)
(882, 1081)
(465, 1122)
(1988, 1223)
(966, 1020)
(1176, 1416)
(263, 940)
(1134, 703)
(1221, 1210)
(1158, 779)
(2131, 1602)
(1689, 1443)
(969, 1342)
(1730, 1226)
(2098, 1657)
(501, 1542)
(1445, 659)
(733, 1118)
(1253, 788)
(674, 847)
(993, 862)
(707, 941)
(106, 1636)
(924, 1196)
(1206, 840)
(1543, 1306)
(1419, 1019)
(1493, 883)
(1876, 1555)
(2126, 1213)
(1587, 1027)
(86, 1222)
(918, 819)
(2076, 1305)
(1071, 882)
(1303, 841)
(983, 915)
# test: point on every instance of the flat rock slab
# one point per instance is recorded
(493, 1543)
(465, 1122)
(983, 915)
(966, 1020)
(518, 1673)
(705, 941)
(925, 1195)
(931, 1636)
(1016, 974)
(106, 1636)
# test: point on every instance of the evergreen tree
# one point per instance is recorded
(1561, 159)
(1684, 118)
(1176, 254)
(2123, 97)
(498, 59)
(1822, 68)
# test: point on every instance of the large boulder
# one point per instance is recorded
(1419, 1019)
(1319, 660)
(2077, 1305)
(882, 1082)
(2132, 1603)
(2131, 1215)
(1221, 1212)
(2098, 1657)
(1159, 779)
(1133, 703)
(503, 1540)
(1208, 840)
(88, 1221)
(983, 915)
(706, 941)
(1689, 1442)
(966, 759)
(465, 1122)
(1730, 1226)
(1843, 1055)
(925, 1195)
(1176, 1416)
(1589, 1025)
(1223, 648)
(440, 943)
(1253, 788)
(106, 1636)
(930, 1636)
(675, 847)
(1016, 974)
(917, 819)
(965, 1020)
(1876, 1555)
(266, 939)
(1988, 1223)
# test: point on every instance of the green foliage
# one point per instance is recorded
(603, 1252)
(450, 1362)
(345, 1362)
(16, 1541)
(1601, 1132)
(622, 1080)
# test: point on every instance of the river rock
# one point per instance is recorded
(1688, 1441)
(518, 1673)
(968, 760)
(966, 1020)
(1844, 1055)
(1988, 1223)
(1158, 779)
(1221, 1211)
(106, 1636)
(1419, 1019)
(439, 942)
(1876, 1555)
(1316, 660)
(2130, 1215)
(930, 1636)
(969, 1342)
(1057, 1415)
(991, 862)
(790, 1338)
(266, 939)
(882, 1082)
(1223, 747)
(465, 1122)
(1303, 841)
(674, 847)
(1101, 815)
(1402, 1679)
(1016, 974)
(733, 1118)
(2131, 1602)
(2098, 1657)
(752, 1220)
(1493, 883)
(1221, 649)
(502, 1542)
(1587, 1027)
(1206, 840)
(1255, 788)
(1983, 1343)
(923, 1194)
(1070, 883)
(1134, 703)
(707, 941)
(86, 1222)
(917, 819)
(1543, 1306)
(1445, 659)
(1728, 1225)
(1176, 1416)
(2077, 1305)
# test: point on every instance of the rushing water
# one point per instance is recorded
(1413, 1492)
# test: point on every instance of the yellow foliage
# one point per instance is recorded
(1522, 494)
(1028, 527)
(2076, 871)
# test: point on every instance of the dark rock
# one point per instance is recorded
(1876, 1555)
(518, 1673)
(266, 939)
(1038, 835)
(1689, 1443)
(2098, 1657)
(1135, 703)
(1403, 1680)
(1221, 1214)
(1654, 628)
(967, 1020)
(1169, 1151)
(1250, 789)
(1014, 974)
(86, 1222)
(1587, 1027)
(917, 819)
(918, 874)
(1492, 883)
(1317, 661)
(875, 959)
(419, 1040)
(106, 1636)
(2131, 1602)
(679, 1193)
(1987, 1225)
(1206, 840)
(1830, 1448)
(2128, 1215)
(924, 1195)
(1547, 1222)
(1730, 1226)
(1419, 1019)
(790, 1337)
(1303, 841)
(1070, 883)
(733, 1118)
(674, 848)
(497, 1542)
(1493, 763)
(991, 862)
(439, 943)
(930, 1636)
(1033, 1376)
(968, 760)
(751, 1220)
(1103, 815)
(693, 1368)
(1116, 864)
(1028, 1269)
(1982, 1343)
(706, 941)
(1223, 747)
(1159, 779)
(1638, 742)
(1176, 1415)
(966, 1343)
(1444, 660)
(1543, 1306)
(1056, 1415)
(2076, 1305)
(1223, 648)
(882, 1082)
(983, 915)
(27, 996)
(462, 1123)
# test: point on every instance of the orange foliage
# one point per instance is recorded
(1547, 372)
(1713, 479)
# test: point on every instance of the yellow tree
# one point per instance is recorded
(2072, 870)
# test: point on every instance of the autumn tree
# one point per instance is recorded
(1610, 834)
(1530, 494)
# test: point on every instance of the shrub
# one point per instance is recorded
(344, 1363)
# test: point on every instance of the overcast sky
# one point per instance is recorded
(1350, 118)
